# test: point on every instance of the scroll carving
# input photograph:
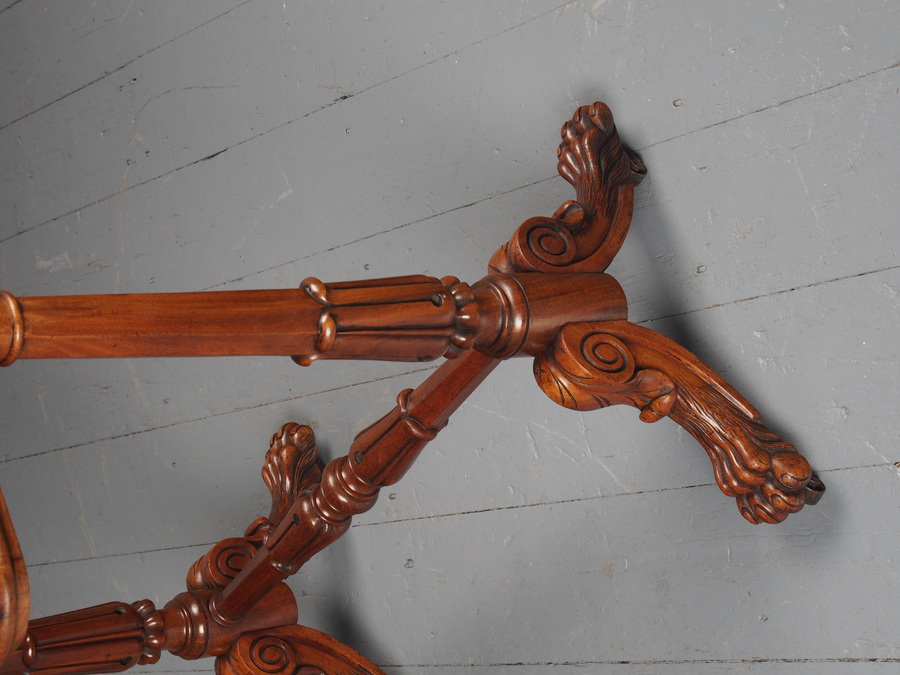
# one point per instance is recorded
(293, 650)
(222, 562)
(594, 365)
(583, 235)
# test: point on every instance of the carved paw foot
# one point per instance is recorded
(594, 365)
(593, 160)
(292, 467)
(583, 235)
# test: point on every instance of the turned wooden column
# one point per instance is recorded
(412, 318)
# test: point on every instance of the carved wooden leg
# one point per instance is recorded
(379, 456)
(108, 638)
(594, 365)
(116, 636)
(293, 650)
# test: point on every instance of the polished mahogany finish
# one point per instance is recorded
(15, 600)
(412, 318)
(293, 650)
(546, 295)
(349, 485)
(594, 365)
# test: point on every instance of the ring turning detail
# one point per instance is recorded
(546, 295)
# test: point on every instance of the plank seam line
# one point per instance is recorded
(205, 546)
(115, 70)
(649, 662)
(537, 182)
(773, 106)
(257, 406)
(419, 370)
(800, 287)
(380, 233)
(326, 106)
(574, 500)
(446, 515)
(10, 6)
(367, 89)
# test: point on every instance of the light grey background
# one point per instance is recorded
(174, 146)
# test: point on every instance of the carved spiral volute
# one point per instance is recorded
(589, 369)
(272, 655)
(549, 241)
(609, 359)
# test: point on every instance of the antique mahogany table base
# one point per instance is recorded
(546, 296)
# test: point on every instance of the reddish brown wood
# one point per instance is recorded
(15, 597)
(379, 456)
(582, 235)
(415, 318)
(293, 650)
(116, 636)
(546, 296)
(521, 313)
(292, 467)
(594, 365)
(193, 628)
(107, 638)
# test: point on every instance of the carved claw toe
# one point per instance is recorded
(782, 493)
(594, 365)
(766, 475)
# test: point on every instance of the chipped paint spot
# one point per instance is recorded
(55, 264)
